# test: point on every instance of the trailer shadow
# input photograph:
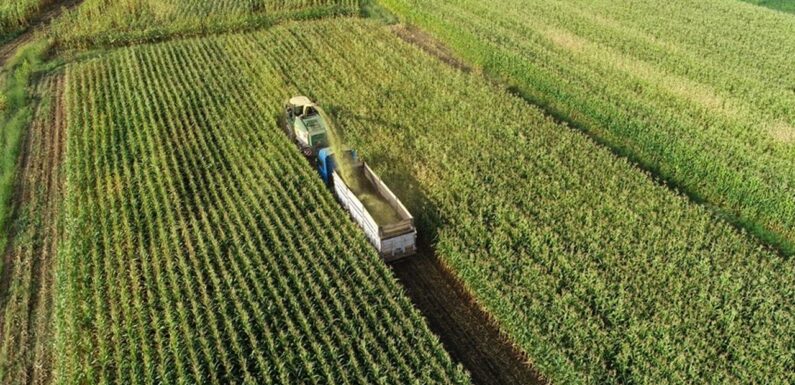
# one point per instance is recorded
(468, 333)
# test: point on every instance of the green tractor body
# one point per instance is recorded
(305, 125)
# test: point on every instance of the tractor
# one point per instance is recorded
(305, 125)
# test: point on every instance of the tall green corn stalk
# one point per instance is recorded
(16, 15)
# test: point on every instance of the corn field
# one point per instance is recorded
(677, 86)
(202, 248)
(114, 22)
(15, 14)
(596, 271)
(196, 245)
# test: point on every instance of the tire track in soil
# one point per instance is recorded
(467, 332)
(49, 13)
(28, 274)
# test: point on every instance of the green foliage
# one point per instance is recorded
(119, 22)
(699, 92)
(16, 14)
(15, 116)
(202, 248)
(780, 5)
(601, 275)
(371, 9)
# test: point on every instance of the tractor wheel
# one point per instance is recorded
(287, 129)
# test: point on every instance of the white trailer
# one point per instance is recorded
(394, 240)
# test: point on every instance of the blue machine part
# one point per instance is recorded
(326, 164)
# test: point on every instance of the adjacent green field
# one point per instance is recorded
(780, 5)
(16, 14)
(700, 92)
(202, 248)
(113, 22)
(596, 271)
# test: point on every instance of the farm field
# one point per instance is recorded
(16, 14)
(690, 101)
(602, 192)
(113, 22)
(199, 236)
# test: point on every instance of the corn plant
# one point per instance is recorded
(114, 22)
(15, 15)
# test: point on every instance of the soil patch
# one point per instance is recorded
(467, 332)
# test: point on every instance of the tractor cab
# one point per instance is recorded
(305, 124)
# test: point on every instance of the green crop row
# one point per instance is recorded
(16, 14)
(699, 92)
(202, 248)
(114, 22)
(596, 271)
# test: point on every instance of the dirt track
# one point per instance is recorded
(28, 272)
(467, 333)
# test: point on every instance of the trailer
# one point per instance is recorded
(373, 206)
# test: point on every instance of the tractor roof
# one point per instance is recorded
(314, 124)
(301, 101)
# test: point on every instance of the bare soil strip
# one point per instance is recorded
(26, 299)
(48, 14)
(466, 331)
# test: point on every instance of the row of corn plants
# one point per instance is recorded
(599, 273)
(699, 92)
(114, 22)
(201, 247)
(15, 15)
